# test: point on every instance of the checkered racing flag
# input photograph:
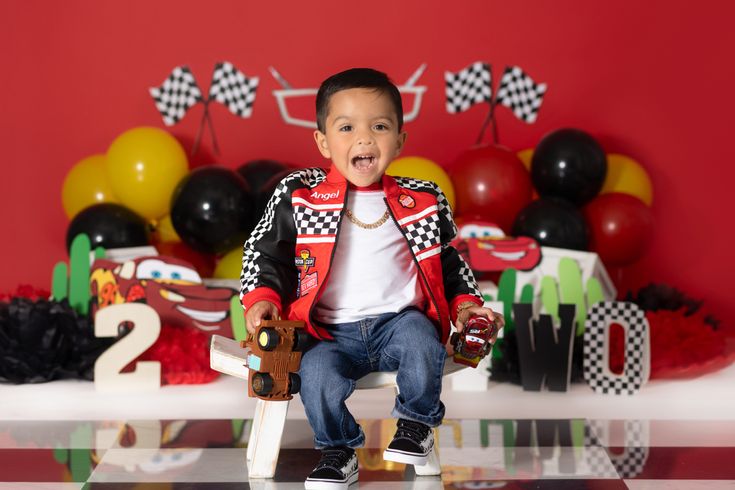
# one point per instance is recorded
(176, 95)
(520, 94)
(233, 89)
(468, 87)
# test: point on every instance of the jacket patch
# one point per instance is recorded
(308, 283)
(305, 260)
(407, 201)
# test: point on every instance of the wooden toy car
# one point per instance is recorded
(475, 341)
(273, 357)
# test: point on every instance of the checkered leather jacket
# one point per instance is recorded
(287, 257)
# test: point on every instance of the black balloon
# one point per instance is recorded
(212, 209)
(109, 225)
(568, 164)
(258, 172)
(553, 223)
(266, 191)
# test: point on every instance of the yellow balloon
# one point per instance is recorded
(144, 165)
(230, 265)
(425, 169)
(525, 156)
(627, 176)
(86, 184)
(165, 230)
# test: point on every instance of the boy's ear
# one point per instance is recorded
(321, 143)
(401, 141)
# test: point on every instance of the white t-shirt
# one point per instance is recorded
(373, 271)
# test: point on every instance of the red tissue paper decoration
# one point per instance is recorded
(183, 354)
(26, 291)
(685, 341)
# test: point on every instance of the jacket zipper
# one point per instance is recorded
(413, 256)
(331, 258)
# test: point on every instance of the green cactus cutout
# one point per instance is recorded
(60, 281)
(570, 290)
(72, 282)
(507, 294)
(594, 293)
(527, 294)
(237, 317)
(550, 297)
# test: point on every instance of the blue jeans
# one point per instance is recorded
(406, 342)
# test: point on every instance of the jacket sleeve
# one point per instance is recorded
(459, 281)
(268, 270)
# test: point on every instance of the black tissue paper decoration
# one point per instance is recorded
(44, 340)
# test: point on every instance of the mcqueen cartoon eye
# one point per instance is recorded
(160, 271)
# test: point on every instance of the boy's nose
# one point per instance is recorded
(365, 138)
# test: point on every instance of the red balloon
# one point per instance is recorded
(491, 184)
(620, 227)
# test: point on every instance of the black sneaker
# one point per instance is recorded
(336, 469)
(412, 443)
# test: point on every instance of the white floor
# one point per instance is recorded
(710, 397)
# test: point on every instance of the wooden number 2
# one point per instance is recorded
(147, 327)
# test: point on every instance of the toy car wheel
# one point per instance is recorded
(268, 339)
(300, 340)
(294, 383)
(262, 384)
(454, 339)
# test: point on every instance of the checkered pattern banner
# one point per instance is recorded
(423, 233)
(233, 89)
(176, 95)
(520, 93)
(313, 222)
(468, 87)
(597, 347)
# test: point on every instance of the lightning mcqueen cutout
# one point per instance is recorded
(170, 286)
(486, 248)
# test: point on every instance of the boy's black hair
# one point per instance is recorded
(356, 78)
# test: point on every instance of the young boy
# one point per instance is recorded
(364, 259)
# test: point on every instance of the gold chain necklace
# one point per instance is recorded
(367, 226)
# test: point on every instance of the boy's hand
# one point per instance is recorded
(470, 311)
(262, 310)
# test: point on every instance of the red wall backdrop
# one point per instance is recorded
(653, 80)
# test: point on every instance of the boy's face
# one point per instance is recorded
(361, 134)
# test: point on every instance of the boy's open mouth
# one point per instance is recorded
(363, 162)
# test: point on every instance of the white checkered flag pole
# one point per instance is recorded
(176, 95)
(234, 90)
(470, 86)
(520, 94)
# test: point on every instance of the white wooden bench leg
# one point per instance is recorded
(265, 438)
(432, 466)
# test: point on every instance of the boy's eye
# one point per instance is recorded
(345, 128)
(381, 127)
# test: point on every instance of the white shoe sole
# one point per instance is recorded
(401, 457)
(330, 484)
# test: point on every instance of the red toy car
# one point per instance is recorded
(474, 342)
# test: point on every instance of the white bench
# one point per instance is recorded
(226, 356)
